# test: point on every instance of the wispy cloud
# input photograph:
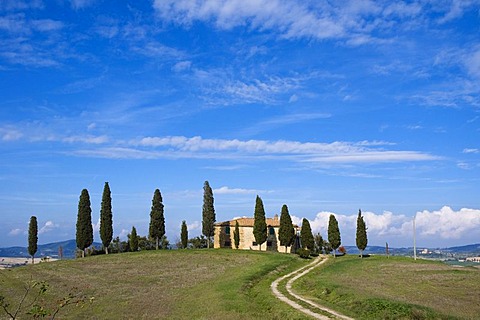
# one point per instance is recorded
(15, 232)
(48, 227)
(228, 190)
(175, 147)
(80, 4)
(358, 22)
(10, 134)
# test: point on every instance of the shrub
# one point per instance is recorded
(342, 250)
(303, 253)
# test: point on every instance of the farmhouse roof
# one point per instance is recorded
(248, 222)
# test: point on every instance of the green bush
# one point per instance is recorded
(303, 253)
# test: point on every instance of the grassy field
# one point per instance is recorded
(177, 284)
(394, 288)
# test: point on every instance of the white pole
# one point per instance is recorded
(414, 239)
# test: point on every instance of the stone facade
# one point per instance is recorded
(224, 235)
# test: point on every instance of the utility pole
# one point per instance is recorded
(414, 239)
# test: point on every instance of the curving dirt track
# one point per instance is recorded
(313, 308)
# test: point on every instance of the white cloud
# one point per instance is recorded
(123, 235)
(308, 152)
(182, 66)
(10, 134)
(96, 226)
(47, 227)
(472, 63)
(86, 139)
(473, 150)
(79, 4)
(356, 21)
(227, 190)
(448, 223)
(46, 25)
(455, 9)
(289, 18)
(196, 225)
(15, 232)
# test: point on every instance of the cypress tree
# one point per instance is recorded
(208, 213)
(157, 219)
(133, 240)
(106, 223)
(318, 243)
(84, 236)
(32, 237)
(307, 235)
(236, 235)
(184, 234)
(259, 223)
(361, 237)
(286, 232)
(334, 233)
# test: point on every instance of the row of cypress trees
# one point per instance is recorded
(84, 228)
(84, 235)
(286, 233)
(334, 237)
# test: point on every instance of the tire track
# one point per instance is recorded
(295, 275)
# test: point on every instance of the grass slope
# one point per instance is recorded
(394, 288)
(177, 284)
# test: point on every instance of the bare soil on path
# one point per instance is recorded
(312, 310)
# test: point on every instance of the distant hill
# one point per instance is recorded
(69, 248)
(50, 249)
(468, 250)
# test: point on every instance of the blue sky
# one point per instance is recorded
(325, 106)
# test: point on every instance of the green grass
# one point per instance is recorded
(178, 284)
(394, 288)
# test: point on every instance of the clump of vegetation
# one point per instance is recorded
(32, 302)
(303, 253)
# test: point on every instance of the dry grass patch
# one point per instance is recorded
(178, 284)
(417, 289)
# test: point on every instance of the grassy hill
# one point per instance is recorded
(171, 284)
(230, 284)
(394, 288)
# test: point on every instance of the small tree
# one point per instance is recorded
(361, 237)
(157, 219)
(106, 223)
(133, 240)
(307, 236)
(84, 235)
(32, 237)
(208, 213)
(318, 243)
(286, 232)
(259, 223)
(184, 235)
(327, 247)
(236, 235)
(334, 233)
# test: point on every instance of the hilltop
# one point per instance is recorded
(69, 248)
(235, 284)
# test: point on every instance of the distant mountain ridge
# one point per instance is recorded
(470, 249)
(69, 247)
(50, 249)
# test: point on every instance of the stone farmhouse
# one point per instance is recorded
(223, 237)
